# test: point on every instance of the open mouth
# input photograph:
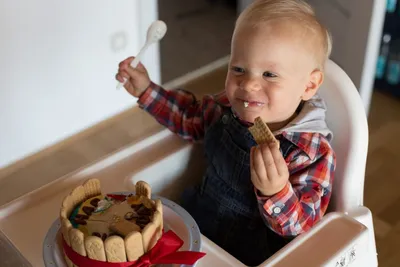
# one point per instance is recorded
(247, 104)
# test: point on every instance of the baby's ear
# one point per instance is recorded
(315, 80)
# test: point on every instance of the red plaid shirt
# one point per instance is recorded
(305, 197)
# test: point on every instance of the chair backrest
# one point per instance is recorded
(347, 119)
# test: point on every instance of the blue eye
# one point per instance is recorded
(269, 74)
(237, 69)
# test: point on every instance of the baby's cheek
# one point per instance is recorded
(230, 91)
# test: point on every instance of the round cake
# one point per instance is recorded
(110, 227)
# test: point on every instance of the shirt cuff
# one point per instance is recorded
(280, 205)
(149, 95)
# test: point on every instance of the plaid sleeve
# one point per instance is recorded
(305, 198)
(180, 111)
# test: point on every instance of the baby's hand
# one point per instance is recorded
(137, 78)
(269, 172)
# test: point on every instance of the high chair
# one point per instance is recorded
(346, 232)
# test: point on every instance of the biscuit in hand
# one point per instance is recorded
(261, 133)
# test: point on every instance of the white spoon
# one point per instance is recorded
(155, 33)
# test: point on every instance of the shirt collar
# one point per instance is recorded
(307, 142)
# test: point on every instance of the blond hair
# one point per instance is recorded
(260, 12)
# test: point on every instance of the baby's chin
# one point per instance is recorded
(248, 116)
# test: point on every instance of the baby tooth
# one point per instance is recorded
(259, 104)
(246, 104)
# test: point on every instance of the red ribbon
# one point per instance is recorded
(164, 252)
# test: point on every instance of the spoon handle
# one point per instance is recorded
(134, 63)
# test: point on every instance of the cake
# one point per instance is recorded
(110, 227)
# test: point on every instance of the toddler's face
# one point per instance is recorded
(270, 71)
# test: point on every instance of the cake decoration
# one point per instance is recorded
(117, 229)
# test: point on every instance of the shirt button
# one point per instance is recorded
(277, 210)
(225, 119)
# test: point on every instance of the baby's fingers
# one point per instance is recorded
(257, 163)
(125, 64)
(132, 73)
(280, 162)
(268, 160)
(119, 78)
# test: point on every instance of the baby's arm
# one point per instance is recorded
(305, 198)
(180, 111)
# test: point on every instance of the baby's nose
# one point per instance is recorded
(250, 84)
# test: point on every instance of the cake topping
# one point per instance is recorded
(80, 221)
(94, 202)
(96, 234)
(104, 237)
(134, 200)
(81, 216)
(113, 214)
(142, 221)
(130, 215)
(103, 204)
(88, 210)
(142, 210)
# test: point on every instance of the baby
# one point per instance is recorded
(255, 198)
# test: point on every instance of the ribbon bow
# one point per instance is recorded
(164, 252)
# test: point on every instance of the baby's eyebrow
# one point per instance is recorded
(273, 65)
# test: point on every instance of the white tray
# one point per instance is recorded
(26, 220)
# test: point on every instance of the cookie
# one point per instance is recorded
(148, 203)
(92, 188)
(134, 246)
(68, 204)
(149, 235)
(95, 248)
(66, 226)
(261, 133)
(63, 213)
(143, 189)
(115, 249)
(158, 205)
(157, 219)
(78, 195)
(76, 238)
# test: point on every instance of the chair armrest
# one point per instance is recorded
(337, 237)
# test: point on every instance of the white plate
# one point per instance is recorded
(175, 218)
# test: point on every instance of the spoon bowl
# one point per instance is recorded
(155, 33)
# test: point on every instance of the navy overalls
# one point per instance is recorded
(224, 205)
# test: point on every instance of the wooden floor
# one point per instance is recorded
(382, 185)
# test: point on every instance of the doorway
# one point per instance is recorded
(199, 32)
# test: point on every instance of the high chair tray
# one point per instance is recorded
(26, 220)
(175, 218)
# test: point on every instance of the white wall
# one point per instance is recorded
(58, 61)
